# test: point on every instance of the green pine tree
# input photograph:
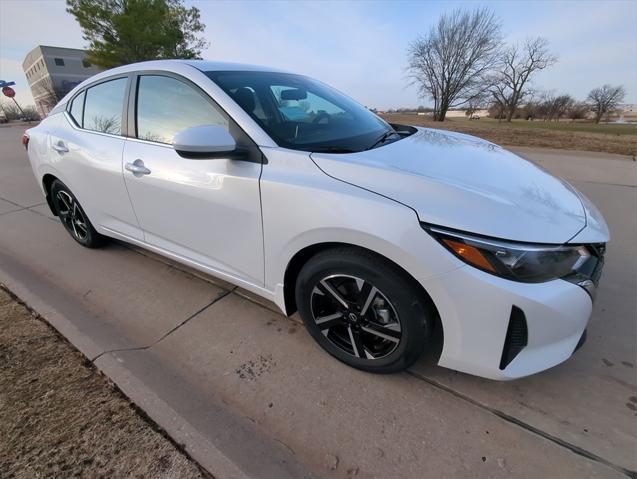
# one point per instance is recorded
(128, 31)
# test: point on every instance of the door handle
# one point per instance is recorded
(60, 147)
(137, 168)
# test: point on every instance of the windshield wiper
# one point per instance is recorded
(332, 149)
(382, 139)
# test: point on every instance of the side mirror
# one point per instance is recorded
(206, 142)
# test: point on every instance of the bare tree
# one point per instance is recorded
(496, 110)
(578, 111)
(52, 93)
(449, 64)
(12, 112)
(553, 107)
(561, 106)
(604, 99)
(474, 104)
(515, 68)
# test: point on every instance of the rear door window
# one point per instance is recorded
(104, 105)
(77, 109)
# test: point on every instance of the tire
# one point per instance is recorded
(352, 299)
(73, 217)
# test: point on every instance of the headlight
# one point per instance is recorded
(528, 263)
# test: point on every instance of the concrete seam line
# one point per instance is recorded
(217, 299)
(532, 429)
(14, 211)
(12, 202)
(55, 218)
(168, 333)
(37, 204)
(602, 183)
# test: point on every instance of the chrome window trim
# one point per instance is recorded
(69, 118)
(149, 142)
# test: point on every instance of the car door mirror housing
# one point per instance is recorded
(207, 142)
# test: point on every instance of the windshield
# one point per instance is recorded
(301, 113)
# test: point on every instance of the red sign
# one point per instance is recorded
(8, 91)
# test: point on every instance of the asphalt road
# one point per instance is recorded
(250, 395)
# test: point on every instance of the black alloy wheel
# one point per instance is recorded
(363, 309)
(73, 217)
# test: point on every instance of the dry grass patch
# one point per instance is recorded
(620, 139)
(60, 418)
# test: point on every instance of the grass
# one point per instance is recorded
(60, 417)
(585, 136)
(586, 127)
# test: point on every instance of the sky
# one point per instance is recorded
(360, 46)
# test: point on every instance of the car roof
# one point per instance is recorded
(167, 65)
(207, 66)
(202, 65)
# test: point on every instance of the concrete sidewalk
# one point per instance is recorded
(250, 394)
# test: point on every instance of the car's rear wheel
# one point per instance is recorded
(73, 217)
(363, 309)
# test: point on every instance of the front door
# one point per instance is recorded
(204, 210)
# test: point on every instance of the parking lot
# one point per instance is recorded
(250, 394)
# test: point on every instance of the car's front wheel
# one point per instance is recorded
(73, 217)
(363, 309)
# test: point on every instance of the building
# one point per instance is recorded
(463, 113)
(53, 71)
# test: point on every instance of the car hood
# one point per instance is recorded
(462, 182)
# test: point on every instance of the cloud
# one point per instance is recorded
(360, 47)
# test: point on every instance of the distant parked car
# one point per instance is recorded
(376, 233)
(475, 117)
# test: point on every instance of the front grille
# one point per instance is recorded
(517, 337)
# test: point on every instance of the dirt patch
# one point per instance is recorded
(536, 134)
(59, 417)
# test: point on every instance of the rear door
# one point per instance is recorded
(204, 210)
(87, 151)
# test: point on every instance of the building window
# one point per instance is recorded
(59, 62)
(86, 64)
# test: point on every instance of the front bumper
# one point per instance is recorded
(477, 309)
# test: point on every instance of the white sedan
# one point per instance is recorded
(376, 233)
